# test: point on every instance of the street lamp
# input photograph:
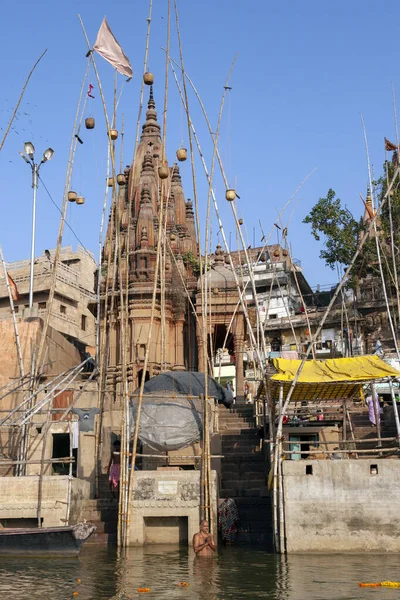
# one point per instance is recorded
(29, 157)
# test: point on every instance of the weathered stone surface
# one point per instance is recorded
(342, 506)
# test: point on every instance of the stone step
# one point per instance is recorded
(100, 515)
(247, 473)
(253, 503)
(244, 459)
(249, 434)
(102, 539)
(235, 493)
(239, 447)
(242, 484)
(236, 425)
(109, 527)
(254, 538)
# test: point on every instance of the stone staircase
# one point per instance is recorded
(102, 512)
(364, 431)
(243, 474)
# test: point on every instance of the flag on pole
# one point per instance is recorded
(15, 295)
(389, 146)
(107, 46)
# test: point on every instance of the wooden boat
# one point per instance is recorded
(45, 540)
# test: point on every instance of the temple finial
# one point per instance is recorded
(151, 103)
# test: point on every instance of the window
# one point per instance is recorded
(83, 322)
(42, 305)
(63, 309)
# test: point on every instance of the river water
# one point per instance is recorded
(235, 573)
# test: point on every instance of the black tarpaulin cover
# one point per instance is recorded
(171, 413)
(187, 383)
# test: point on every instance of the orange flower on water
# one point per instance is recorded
(143, 590)
(75, 594)
(184, 584)
(79, 581)
(369, 584)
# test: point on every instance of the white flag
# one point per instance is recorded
(107, 46)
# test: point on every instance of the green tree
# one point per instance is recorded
(337, 227)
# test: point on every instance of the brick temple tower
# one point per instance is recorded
(139, 197)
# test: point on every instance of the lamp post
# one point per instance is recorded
(29, 157)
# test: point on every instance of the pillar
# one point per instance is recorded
(179, 357)
(239, 348)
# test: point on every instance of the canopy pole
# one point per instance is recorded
(344, 430)
(396, 414)
(282, 543)
(277, 452)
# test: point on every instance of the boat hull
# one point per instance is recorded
(46, 541)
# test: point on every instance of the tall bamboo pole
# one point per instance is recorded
(71, 157)
(20, 99)
(378, 252)
(362, 241)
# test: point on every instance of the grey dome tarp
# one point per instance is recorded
(187, 383)
(171, 413)
(167, 423)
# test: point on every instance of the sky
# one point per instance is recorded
(303, 75)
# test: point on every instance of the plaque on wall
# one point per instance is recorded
(168, 488)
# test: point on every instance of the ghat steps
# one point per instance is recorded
(243, 474)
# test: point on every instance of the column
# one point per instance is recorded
(238, 349)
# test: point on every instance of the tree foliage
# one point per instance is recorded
(337, 227)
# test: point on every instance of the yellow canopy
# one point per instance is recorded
(329, 379)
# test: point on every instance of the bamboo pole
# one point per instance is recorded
(344, 442)
(19, 352)
(14, 319)
(351, 429)
(282, 543)
(276, 492)
(38, 462)
(34, 394)
(20, 99)
(112, 155)
(69, 493)
(45, 431)
(66, 381)
(378, 252)
(56, 260)
(204, 485)
(145, 66)
(344, 437)
(379, 451)
(331, 303)
(146, 360)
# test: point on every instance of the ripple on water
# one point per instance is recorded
(234, 574)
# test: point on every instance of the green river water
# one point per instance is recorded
(235, 573)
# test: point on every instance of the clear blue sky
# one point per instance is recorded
(304, 73)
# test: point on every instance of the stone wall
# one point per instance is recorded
(165, 498)
(19, 499)
(343, 506)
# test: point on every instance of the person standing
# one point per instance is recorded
(374, 408)
(228, 516)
